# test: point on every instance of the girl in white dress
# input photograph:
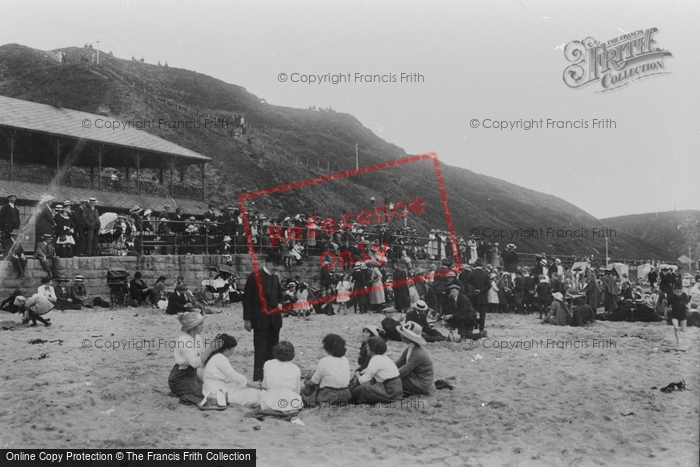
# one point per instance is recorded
(223, 383)
(282, 379)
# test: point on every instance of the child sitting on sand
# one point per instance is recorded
(222, 383)
(380, 381)
(367, 333)
(329, 383)
(282, 379)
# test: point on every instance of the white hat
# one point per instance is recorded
(558, 296)
(421, 305)
(412, 331)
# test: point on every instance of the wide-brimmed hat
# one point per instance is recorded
(511, 246)
(558, 296)
(558, 261)
(147, 212)
(421, 305)
(190, 320)
(412, 331)
(454, 286)
(14, 232)
(67, 203)
(376, 331)
(135, 209)
(227, 238)
(543, 262)
(358, 264)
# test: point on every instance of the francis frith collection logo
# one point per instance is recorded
(615, 63)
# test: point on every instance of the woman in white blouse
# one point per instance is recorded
(380, 381)
(189, 356)
(222, 383)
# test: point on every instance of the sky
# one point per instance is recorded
(478, 61)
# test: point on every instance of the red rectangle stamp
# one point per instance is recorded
(344, 240)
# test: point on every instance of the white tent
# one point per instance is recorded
(643, 271)
(621, 268)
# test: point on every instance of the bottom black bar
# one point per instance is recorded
(131, 457)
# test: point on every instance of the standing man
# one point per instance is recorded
(479, 279)
(265, 327)
(91, 221)
(9, 217)
(15, 253)
(44, 219)
(80, 235)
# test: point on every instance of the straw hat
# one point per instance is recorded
(78, 278)
(190, 320)
(147, 212)
(511, 246)
(376, 331)
(421, 305)
(412, 331)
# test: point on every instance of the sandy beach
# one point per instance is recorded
(594, 404)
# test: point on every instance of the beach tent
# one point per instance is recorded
(643, 270)
(621, 268)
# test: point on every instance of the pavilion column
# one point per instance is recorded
(202, 166)
(172, 174)
(11, 138)
(100, 152)
(138, 173)
(58, 163)
(182, 174)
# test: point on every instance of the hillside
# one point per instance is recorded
(679, 230)
(289, 145)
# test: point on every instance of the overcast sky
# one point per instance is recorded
(499, 60)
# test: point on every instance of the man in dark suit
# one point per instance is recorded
(479, 279)
(210, 213)
(91, 221)
(460, 314)
(265, 327)
(9, 217)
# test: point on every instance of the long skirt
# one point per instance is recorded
(373, 391)
(327, 397)
(185, 385)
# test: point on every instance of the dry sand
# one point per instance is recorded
(543, 406)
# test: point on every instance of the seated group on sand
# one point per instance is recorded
(283, 390)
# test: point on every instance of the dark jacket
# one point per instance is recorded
(252, 308)
(44, 222)
(462, 307)
(9, 219)
(176, 304)
(479, 279)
